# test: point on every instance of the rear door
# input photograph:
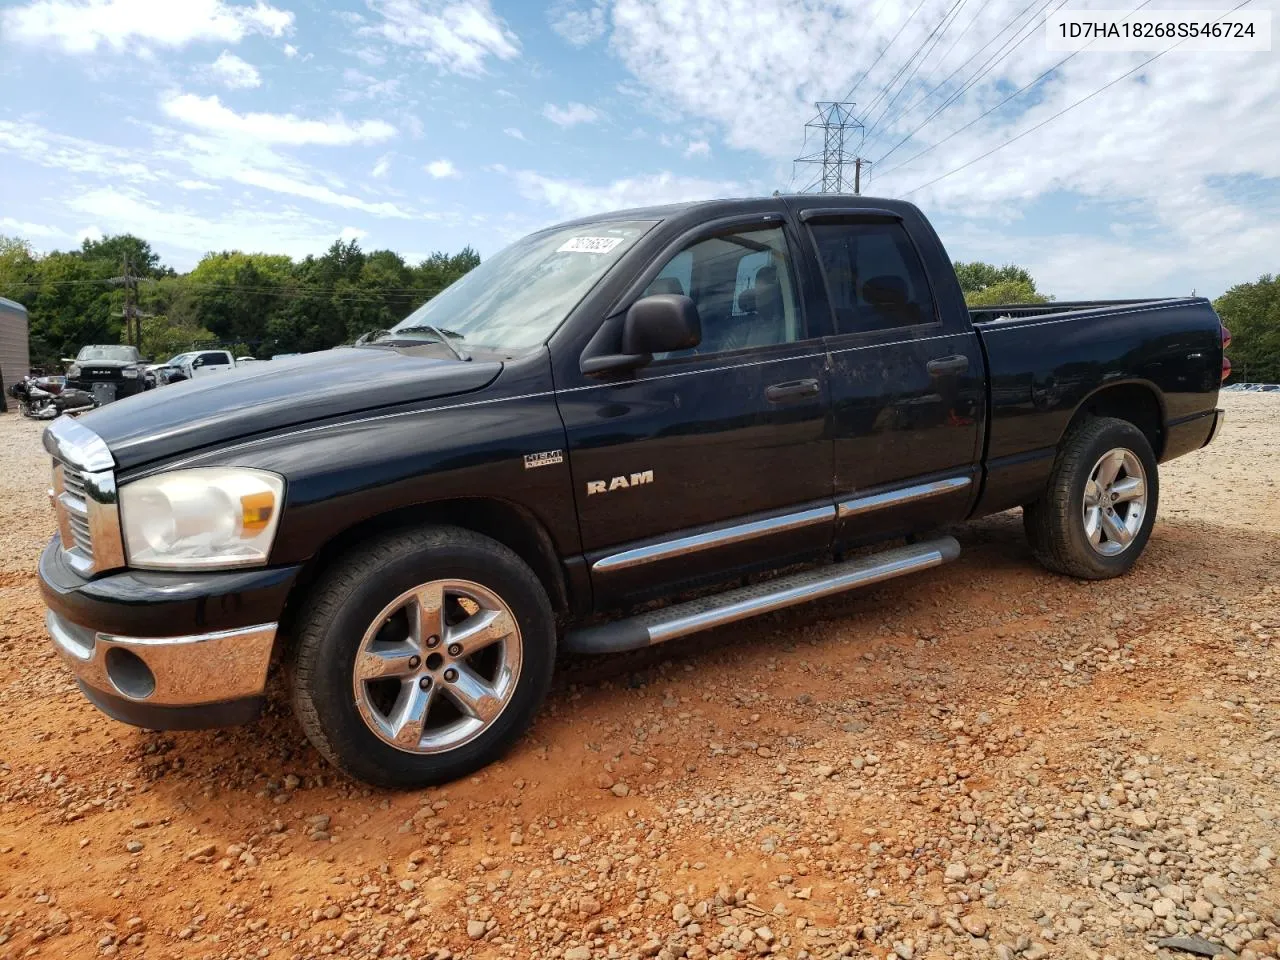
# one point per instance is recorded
(718, 459)
(907, 377)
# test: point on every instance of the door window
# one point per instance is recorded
(208, 359)
(875, 280)
(742, 286)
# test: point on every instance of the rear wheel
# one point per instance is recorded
(1100, 504)
(423, 657)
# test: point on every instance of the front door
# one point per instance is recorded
(907, 383)
(716, 458)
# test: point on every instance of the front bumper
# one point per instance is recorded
(167, 650)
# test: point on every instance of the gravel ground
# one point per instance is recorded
(982, 761)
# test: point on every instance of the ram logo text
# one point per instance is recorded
(619, 483)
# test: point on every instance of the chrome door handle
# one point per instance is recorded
(792, 390)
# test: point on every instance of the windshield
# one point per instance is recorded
(179, 360)
(519, 297)
(110, 354)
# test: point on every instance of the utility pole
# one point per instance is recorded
(132, 317)
(839, 128)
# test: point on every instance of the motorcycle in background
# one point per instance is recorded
(46, 398)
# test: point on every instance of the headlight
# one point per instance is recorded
(73, 371)
(207, 518)
(131, 372)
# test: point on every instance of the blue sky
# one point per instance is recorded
(421, 125)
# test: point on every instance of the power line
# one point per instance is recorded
(893, 39)
(1017, 93)
(935, 36)
(1069, 107)
(969, 59)
(987, 66)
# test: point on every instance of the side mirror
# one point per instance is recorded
(659, 323)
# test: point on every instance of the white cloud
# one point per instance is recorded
(92, 234)
(457, 36)
(28, 230)
(172, 227)
(578, 22)
(574, 198)
(82, 26)
(209, 114)
(514, 133)
(382, 167)
(290, 50)
(196, 185)
(234, 73)
(217, 158)
(352, 233)
(440, 169)
(571, 114)
(698, 148)
(1172, 149)
(33, 144)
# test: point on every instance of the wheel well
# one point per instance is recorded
(509, 524)
(1135, 402)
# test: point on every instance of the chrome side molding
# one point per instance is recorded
(667, 623)
(894, 498)
(712, 539)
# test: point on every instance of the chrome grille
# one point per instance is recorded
(84, 498)
(71, 505)
(74, 480)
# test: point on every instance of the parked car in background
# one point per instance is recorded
(108, 371)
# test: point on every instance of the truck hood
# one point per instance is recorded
(267, 396)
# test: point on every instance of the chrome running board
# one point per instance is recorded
(667, 623)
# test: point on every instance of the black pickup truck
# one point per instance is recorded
(109, 372)
(615, 432)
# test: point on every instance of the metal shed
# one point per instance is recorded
(15, 358)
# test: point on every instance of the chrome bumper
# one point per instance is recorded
(188, 671)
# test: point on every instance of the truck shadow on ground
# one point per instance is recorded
(996, 581)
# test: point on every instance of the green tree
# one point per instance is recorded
(986, 285)
(1252, 312)
(252, 302)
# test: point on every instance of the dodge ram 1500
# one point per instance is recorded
(719, 406)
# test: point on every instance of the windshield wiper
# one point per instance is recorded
(444, 336)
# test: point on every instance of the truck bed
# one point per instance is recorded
(1157, 363)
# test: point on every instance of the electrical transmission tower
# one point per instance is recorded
(839, 128)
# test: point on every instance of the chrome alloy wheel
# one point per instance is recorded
(1115, 501)
(437, 666)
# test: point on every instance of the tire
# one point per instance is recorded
(1058, 525)
(356, 723)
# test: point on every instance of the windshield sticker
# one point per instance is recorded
(589, 245)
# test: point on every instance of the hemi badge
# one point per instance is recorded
(544, 459)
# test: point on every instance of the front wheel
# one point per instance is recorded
(1100, 504)
(423, 657)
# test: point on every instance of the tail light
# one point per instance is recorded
(1226, 342)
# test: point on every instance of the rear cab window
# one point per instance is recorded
(874, 277)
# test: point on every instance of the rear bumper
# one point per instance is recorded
(1219, 418)
(167, 650)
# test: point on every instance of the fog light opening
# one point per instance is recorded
(129, 674)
